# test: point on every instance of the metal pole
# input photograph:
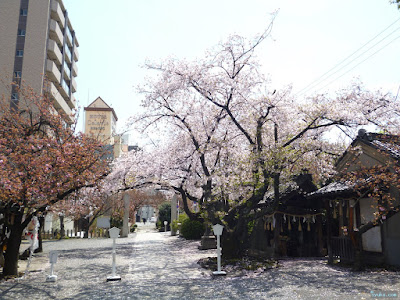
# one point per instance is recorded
(218, 254)
(114, 270)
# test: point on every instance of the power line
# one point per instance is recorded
(380, 49)
(325, 76)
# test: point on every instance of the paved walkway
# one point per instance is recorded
(155, 265)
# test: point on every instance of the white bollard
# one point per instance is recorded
(218, 232)
(53, 259)
(165, 226)
(114, 233)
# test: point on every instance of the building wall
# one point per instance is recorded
(372, 239)
(392, 240)
(9, 15)
(35, 44)
(52, 222)
(99, 124)
(37, 62)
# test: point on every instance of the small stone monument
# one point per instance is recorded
(114, 233)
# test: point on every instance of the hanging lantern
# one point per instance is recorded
(334, 212)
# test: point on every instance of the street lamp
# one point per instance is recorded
(53, 259)
(218, 228)
(114, 233)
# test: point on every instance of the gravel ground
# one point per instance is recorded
(155, 265)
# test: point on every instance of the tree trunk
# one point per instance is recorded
(231, 246)
(40, 238)
(12, 253)
(62, 230)
(235, 241)
(359, 264)
(277, 234)
(86, 228)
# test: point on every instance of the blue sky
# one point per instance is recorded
(308, 39)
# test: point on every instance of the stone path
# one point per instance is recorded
(155, 265)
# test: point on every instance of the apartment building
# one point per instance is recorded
(37, 41)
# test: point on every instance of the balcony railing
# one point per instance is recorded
(67, 71)
(56, 12)
(55, 32)
(54, 52)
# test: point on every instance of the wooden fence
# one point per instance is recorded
(342, 248)
(55, 234)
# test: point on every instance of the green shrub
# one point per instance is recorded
(175, 226)
(192, 230)
(164, 214)
(116, 222)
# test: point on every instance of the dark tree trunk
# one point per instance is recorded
(231, 245)
(359, 264)
(319, 236)
(235, 241)
(86, 228)
(62, 230)
(277, 233)
(40, 238)
(14, 242)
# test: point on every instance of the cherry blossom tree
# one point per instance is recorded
(42, 161)
(231, 141)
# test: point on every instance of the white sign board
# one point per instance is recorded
(103, 222)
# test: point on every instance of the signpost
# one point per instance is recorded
(218, 232)
(114, 233)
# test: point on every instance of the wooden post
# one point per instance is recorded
(319, 235)
(277, 232)
(329, 231)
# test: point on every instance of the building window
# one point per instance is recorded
(21, 32)
(20, 53)
(17, 74)
(24, 12)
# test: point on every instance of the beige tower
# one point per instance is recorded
(37, 41)
(100, 121)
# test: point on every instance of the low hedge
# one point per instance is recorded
(192, 230)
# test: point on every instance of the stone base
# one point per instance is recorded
(208, 242)
(51, 278)
(113, 278)
(219, 273)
